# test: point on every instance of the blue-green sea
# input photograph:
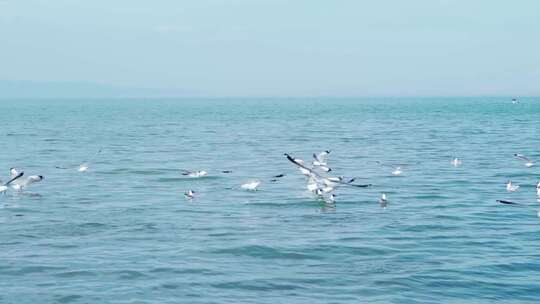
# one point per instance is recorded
(122, 232)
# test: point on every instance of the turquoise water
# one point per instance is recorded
(123, 232)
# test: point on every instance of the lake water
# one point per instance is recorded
(122, 232)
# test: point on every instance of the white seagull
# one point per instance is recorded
(538, 190)
(397, 168)
(320, 159)
(397, 171)
(528, 163)
(383, 200)
(4, 187)
(190, 194)
(330, 199)
(251, 185)
(84, 166)
(511, 187)
(456, 162)
(20, 186)
(200, 173)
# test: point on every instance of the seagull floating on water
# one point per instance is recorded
(330, 199)
(383, 201)
(456, 162)
(199, 173)
(397, 168)
(511, 187)
(190, 194)
(251, 185)
(528, 163)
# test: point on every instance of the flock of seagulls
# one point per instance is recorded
(317, 173)
(322, 185)
(17, 182)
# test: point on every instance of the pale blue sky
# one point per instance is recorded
(277, 47)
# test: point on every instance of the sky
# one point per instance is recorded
(277, 47)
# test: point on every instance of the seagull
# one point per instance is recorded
(251, 185)
(528, 163)
(330, 200)
(312, 173)
(383, 201)
(83, 167)
(397, 168)
(312, 184)
(538, 190)
(320, 159)
(515, 101)
(303, 169)
(200, 173)
(456, 162)
(20, 186)
(190, 194)
(397, 171)
(511, 187)
(4, 187)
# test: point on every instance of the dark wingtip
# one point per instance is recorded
(506, 202)
(41, 176)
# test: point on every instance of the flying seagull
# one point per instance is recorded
(311, 172)
(528, 163)
(82, 167)
(4, 187)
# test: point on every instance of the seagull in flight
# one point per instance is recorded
(84, 166)
(528, 163)
(511, 187)
(21, 185)
(320, 159)
(311, 173)
(4, 186)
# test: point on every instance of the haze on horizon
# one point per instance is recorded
(277, 47)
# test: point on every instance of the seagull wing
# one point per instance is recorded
(19, 175)
(314, 173)
(522, 157)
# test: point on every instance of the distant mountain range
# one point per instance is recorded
(36, 89)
